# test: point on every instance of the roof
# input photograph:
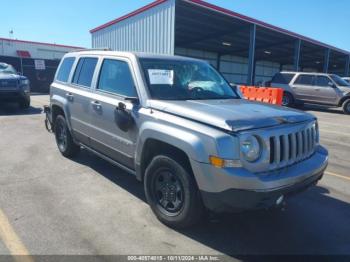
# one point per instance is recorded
(39, 43)
(305, 73)
(131, 54)
(223, 11)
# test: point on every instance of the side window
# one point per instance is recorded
(84, 71)
(323, 81)
(284, 78)
(307, 80)
(65, 68)
(115, 77)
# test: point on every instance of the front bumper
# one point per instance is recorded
(13, 95)
(236, 189)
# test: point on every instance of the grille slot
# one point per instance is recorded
(288, 149)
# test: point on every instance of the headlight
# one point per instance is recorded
(24, 82)
(251, 148)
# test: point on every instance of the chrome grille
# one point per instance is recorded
(287, 149)
(8, 83)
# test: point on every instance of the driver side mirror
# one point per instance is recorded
(331, 84)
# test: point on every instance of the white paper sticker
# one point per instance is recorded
(161, 77)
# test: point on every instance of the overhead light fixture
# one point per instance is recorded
(267, 52)
(318, 62)
(226, 44)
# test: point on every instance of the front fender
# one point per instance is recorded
(184, 140)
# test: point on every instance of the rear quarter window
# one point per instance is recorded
(65, 68)
(281, 78)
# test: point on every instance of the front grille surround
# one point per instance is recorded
(283, 146)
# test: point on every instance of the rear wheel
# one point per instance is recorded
(287, 100)
(346, 107)
(172, 193)
(64, 138)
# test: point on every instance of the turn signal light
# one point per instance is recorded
(222, 163)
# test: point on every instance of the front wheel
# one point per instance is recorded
(346, 107)
(64, 138)
(172, 193)
(25, 103)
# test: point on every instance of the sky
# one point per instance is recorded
(69, 21)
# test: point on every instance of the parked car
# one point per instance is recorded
(178, 126)
(314, 88)
(13, 86)
(347, 79)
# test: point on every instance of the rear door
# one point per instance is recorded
(325, 91)
(115, 83)
(303, 87)
(79, 96)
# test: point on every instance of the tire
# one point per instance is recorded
(346, 107)
(172, 193)
(25, 103)
(64, 138)
(287, 100)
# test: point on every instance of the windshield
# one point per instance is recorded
(339, 81)
(185, 80)
(7, 69)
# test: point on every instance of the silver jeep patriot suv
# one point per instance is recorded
(177, 125)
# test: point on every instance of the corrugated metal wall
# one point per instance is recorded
(151, 31)
(234, 68)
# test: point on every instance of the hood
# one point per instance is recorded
(10, 76)
(344, 89)
(232, 114)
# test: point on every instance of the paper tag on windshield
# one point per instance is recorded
(161, 77)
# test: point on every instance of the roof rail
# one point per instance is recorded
(91, 49)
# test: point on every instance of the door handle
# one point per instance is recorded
(96, 105)
(70, 96)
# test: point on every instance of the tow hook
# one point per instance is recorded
(48, 124)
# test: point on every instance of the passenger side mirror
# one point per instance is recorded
(331, 84)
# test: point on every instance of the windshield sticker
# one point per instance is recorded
(161, 77)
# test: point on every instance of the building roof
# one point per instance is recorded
(226, 12)
(40, 43)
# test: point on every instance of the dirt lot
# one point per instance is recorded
(52, 205)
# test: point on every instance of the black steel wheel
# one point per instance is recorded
(64, 139)
(172, 192)
(168, 192)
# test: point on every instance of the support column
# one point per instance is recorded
(251, 59)
(297, 49)
(218, 60)
(326, 60)
(347, 66)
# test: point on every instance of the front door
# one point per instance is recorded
(115, 83)
(325, 90)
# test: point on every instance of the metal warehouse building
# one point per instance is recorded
(244, 49)
(36, 60)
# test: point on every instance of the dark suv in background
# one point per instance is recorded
(13, 86)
